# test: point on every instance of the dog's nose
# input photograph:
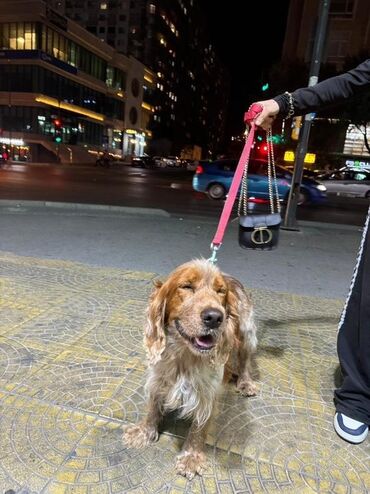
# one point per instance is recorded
(212, 318)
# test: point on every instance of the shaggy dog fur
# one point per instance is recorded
(200, 332)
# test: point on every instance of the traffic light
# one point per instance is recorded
(265, 86)
(58, 130)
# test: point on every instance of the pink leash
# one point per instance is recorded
(249, 118)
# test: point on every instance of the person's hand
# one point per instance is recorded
(269, 111)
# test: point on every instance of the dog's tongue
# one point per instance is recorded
(205, 341)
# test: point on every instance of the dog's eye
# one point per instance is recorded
(187, 286)
(221, 291)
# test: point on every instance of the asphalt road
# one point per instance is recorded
(167, 189)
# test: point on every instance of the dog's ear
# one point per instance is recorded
(154, 335)
(240, 308)
(233, 300)
(229, 337)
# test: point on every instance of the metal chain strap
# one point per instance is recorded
(243, 197)
(271, 158)
(272, 181)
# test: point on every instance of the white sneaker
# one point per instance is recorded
(349, 429)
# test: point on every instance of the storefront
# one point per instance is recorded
(134, 143)
(14, 150)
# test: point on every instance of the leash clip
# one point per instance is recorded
(214, 249)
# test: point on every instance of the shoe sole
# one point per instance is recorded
(349, 437)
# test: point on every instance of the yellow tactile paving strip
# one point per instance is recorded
(72, 372)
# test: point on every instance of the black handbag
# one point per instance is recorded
(260, 231)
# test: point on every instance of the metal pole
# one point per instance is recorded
(11, 154)
(290, 221)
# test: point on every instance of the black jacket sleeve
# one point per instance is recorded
(327, 92)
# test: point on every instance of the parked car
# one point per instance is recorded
(306, 172)
(143, 161)
(169, 161)
(348, 182)
(214, 178)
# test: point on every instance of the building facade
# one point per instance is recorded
(347, 37)
(170, 37)
(54, 70)
(348, 31)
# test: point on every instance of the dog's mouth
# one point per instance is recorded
(202, 343)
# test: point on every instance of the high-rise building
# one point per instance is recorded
(170, 37)
(64, 93)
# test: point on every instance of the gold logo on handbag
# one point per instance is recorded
(261, 235)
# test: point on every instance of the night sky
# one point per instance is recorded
(248, 56)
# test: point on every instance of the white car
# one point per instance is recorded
(348, 182)
(170, 161)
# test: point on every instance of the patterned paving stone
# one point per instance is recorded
(72, 370)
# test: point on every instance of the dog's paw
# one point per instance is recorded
(190, 463)
(139, 436)
(247, 388)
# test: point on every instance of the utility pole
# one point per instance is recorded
(290, 220)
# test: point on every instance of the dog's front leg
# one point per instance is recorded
(245, 384)
(192, 459)
(146, 432)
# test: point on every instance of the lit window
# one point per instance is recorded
(152, 8)
(21, 36)
(103, 6)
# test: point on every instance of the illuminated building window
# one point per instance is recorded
(19, 36)
(355, 143)
(152, 8)
(103, 6)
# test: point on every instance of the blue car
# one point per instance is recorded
(214, 178)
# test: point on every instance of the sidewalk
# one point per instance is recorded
(74, 287)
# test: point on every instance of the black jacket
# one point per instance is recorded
(327, 92)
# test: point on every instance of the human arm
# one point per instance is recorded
(308, 99)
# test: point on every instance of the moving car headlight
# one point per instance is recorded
(321, 187)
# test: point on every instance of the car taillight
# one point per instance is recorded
(199, 170)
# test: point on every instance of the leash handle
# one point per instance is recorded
(249, 118)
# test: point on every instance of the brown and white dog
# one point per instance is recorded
(200, 332)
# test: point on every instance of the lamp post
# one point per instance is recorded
(10, 116)
(290, 221)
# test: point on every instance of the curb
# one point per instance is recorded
(83, 207)
(328, 226)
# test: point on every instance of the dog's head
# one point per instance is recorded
(198, 307)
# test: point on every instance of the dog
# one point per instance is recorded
(200, 333)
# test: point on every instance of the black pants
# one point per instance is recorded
(353, 397)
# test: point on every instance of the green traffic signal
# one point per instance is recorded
(58, 139)
(265, 86)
